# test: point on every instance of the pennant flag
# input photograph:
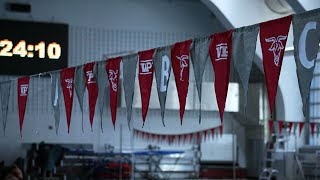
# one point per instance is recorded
(306, 32)
(55, 97)
(221, 130)
(243, 52)
(145, 79)
(198, 137)
(92, 89)
(129, 76)
(23, 89)
(191, 138)
(5, 88)
(212, 133)
(158, 138)
(113, 71)
(312, 126)
(162, 69)
(281, 125)
(290, 126)
(142, 135)
(199, 56)
(295, 127)
(273, 39)
(220, 52)
(205, 134)
(67, 83)
(80, 86)
(270, 126)
(180, 62)
(152, 137)
(185, 138)
(103, 87)
(179, 138)
(301, 124)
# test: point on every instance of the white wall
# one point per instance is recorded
(99, 28)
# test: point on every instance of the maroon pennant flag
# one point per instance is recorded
(270, 126)
(301, 124)
(185, 138)
(113, 72)
(23, 89)
(180, 61)
(158, 138)
(146, 71)
(67, 83)
(281, 125)
(312, 126)
(221, 130)
(92, 89)
(142, 135)
(205, 134)
(191, 137)
(212, 133)
(220, 53)
(152, 137)
(198, 137)
(290, 126)
(179, 138)
(147, 136)
(163, 137)
(273, 39)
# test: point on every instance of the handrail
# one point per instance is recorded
(299, 166)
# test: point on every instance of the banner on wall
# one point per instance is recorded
(180, 62)
(306, 32)
(273, 39)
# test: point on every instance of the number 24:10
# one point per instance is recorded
(53, 49)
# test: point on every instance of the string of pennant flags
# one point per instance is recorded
(289, 125)
(237, 45)
(186, 138)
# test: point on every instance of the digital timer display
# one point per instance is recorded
(31, 47)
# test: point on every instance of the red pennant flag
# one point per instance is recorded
(147, 136)
(191, 137)
(273, 39)
(179, 138)
(23, 89)
(163, 137)
(185, 138)
(145, 79)
(270, 126)
(142, 135)
(221, 130)
(205, 134)
(198, 137)
(92, 89)
(212, 133)
(281, 125)
(152, 137)
(312, 126)
(290, 127)
(220, 53)
(301, 124)
(67, 83)
(113, 71)
(180, 61)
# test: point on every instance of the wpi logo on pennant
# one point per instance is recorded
(24, 89)
(69, 86)
(90, 77)
(276, 47)
(222, 51)
(273, 39)
(145, 76)
(146, 66)
(113, 75)
(183, 64)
